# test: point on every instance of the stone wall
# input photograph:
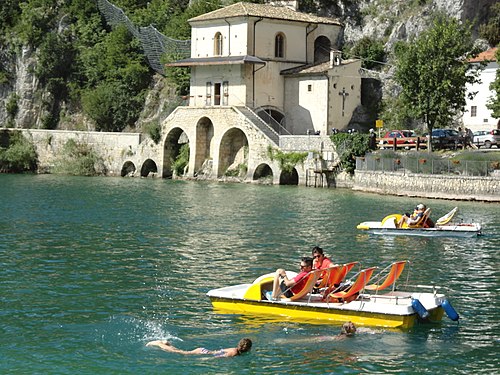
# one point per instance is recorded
(114, 148)
(429, 186)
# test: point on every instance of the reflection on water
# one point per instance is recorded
(92, 269)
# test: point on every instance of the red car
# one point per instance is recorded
(401, 136)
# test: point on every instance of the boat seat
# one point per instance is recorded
(312, 277)
(363, 277)
(337, 276)
(443, 220)
(395, 270)
(422, 220)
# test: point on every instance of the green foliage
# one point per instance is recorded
(494, 101)
(491, 30)
(20, 156)
(286, 160)
(433, 72)
(370, 50)
(37, 18)
(348, 147)
(179, 28)
(179, 76)
(55, 61)
(181, 161)
(12, 106)
(78, 159)
(154, 131)
(394, 114)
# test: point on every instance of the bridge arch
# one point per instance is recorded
(233, 153)
(289, 178)
(128, 169)
(149, 166)
(204, 136)
(175, 139)
(263, 173)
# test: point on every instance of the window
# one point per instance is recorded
(279, 45)
(309, 88)
(473, 111)
(218, 44)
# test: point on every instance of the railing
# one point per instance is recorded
(406, 164)
(405, 143)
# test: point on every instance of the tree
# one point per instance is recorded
(491, 30)
(433, 71)
(370, 50)
(494, 102)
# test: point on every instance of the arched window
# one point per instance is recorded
(279, 45)
(218, 44)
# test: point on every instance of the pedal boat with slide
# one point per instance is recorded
(444, 227)
(363, 304)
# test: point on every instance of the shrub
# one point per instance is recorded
(348, 147)
(79, 159)
(154, 131)
(181, 161)
(286, 160)
(12, 107)
(20, 156)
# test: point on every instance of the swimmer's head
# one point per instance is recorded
(348, 329)
(244, 346)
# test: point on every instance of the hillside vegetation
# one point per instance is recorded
(62, 66)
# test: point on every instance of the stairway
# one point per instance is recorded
(252, 117)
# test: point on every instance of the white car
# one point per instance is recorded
(487, 138)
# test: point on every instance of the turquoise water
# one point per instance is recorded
(93, 268)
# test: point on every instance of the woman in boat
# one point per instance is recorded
(320, 261)
(414, 218)
(288, 287)
(244, 345)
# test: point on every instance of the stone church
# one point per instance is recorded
(283, 64)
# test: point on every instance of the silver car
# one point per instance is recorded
(487, 138)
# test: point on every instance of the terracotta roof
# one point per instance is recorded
(263, 10)
(488, 55)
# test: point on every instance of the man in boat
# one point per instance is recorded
(288, 287)
(414, 218)
(244, 345)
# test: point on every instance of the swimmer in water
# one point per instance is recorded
(348, 329)
(244, 345)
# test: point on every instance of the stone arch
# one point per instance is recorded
(322, 46)
(128, 169)
(149, 166)
(176, 138)
(233, 153)
(263, 173)
(289, 178)
(204, 135)
(273, 117)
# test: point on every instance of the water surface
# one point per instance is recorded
(93, 268)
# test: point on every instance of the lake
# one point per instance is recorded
(94, 268)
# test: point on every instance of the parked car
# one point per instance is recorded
(487, 138)
(446, 138)
(401, 136)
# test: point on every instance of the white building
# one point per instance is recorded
(476, 115)
(276, 61)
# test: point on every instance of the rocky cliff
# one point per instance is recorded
(23, 103)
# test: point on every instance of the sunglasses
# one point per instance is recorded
(302, 266)
(317, 256)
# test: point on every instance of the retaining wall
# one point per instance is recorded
(429, 186)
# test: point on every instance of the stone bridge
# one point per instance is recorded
(224, 142)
